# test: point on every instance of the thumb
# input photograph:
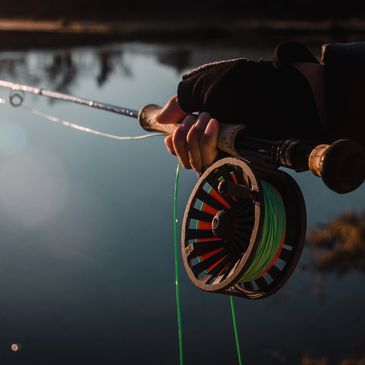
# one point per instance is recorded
(171, 113)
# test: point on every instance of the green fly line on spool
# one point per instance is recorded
(273, 234)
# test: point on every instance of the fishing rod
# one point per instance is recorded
(340, 165)
(16, 99)
(244, 225)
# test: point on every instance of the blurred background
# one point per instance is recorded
(86, 251)
(78, 9)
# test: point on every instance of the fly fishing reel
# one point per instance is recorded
(243, 229)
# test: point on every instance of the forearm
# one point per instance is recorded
(273, 99)
(345, 90)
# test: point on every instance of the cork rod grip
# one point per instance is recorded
(227, 134)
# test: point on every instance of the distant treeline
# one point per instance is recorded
(147, 9)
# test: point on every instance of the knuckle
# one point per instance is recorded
(172, 102)
(204, 115)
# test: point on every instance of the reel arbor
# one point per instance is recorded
(243, 229)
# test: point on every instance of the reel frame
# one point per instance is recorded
(222, 267)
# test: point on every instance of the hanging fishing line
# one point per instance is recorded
(235, 329)
(177, 283)
(17, 96)
(81, 128)
(176, 255)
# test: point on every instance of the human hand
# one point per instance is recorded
(194, 142)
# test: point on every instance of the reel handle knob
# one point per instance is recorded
(227, 133)
(341, 165)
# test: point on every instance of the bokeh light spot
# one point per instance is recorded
(14, 347)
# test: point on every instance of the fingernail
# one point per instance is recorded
(211, 127)
(200, 173)
(194, 167)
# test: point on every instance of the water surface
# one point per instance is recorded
(86, 264)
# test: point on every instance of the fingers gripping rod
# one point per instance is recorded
(341, 165)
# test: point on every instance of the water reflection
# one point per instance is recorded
(108, 61)
(13, 66)
(86, 258)
(178, 59)
(61, 70)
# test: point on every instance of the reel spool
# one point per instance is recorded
(243, 230)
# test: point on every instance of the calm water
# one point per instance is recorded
(86, 263)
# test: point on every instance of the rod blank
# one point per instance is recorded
(73, 99)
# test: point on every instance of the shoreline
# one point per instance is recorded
(140, 26)
(25, 33)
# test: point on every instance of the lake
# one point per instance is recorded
(86, 263)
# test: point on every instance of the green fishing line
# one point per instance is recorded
(177, 288)
(176, 254)
(271, 241)
(273, 233)
(272, 236)
(235, 329)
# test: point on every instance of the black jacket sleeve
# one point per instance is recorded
(275, 100)
(272, 98)
(345, 90)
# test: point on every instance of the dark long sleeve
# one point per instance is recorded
(345, 90)
(274, 103)
(275, 100)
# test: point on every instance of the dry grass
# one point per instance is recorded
(308, 360)
(340, 245)
(353, 361)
